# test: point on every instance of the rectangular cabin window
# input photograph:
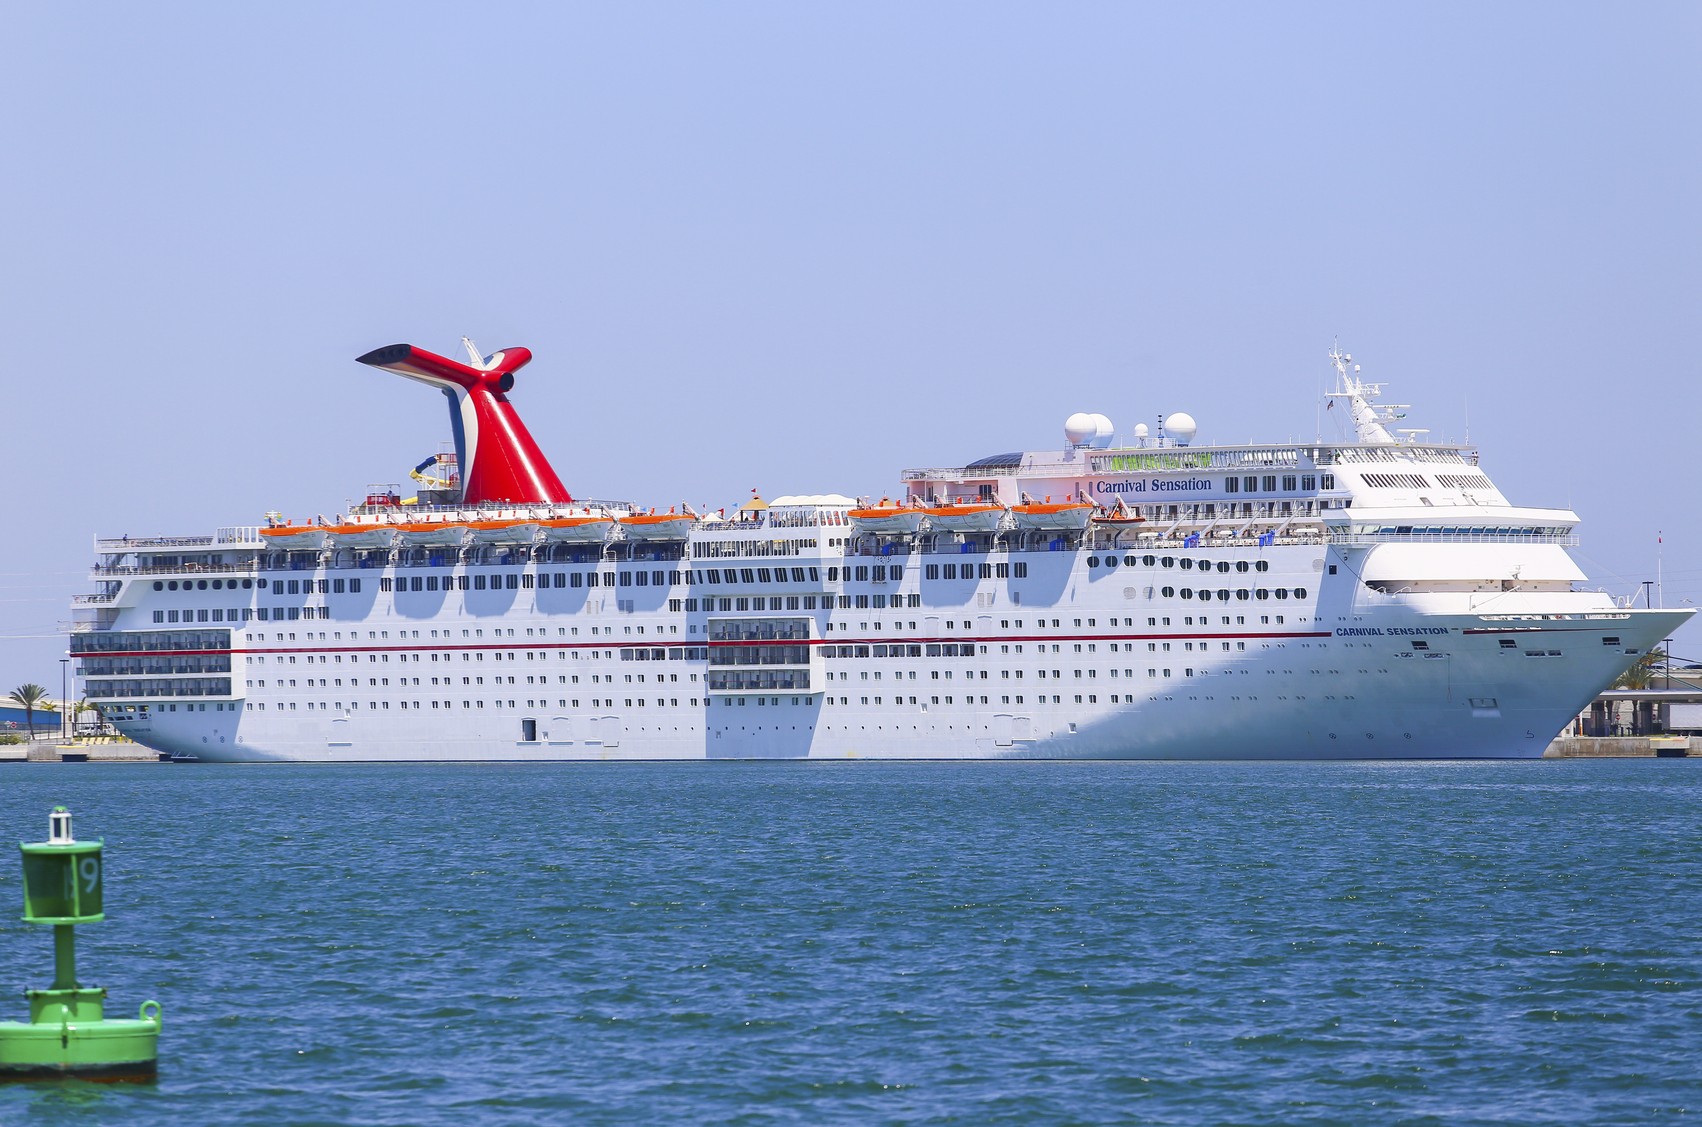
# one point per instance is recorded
(431, 583)
(747, 575)
(576, 579)
(385, 583)
(1232, 485)
(608, 579)
(862, 574)
(1250, 484)
(1288, 483)
(416, 583)
(1270, 483)
(1308, 482)
(931, 571)
(478, 582)
(833, 575)
(1019, 570)
(642, 578)
(1327, 481)
(337, 586)
(762, 575)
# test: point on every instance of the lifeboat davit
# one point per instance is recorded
(887, 519)
(652, 526)
(294, 538)
(363, 535)
(1072, 515)
(965, 518)
(433, 535)
(577, 529)
(504, 531)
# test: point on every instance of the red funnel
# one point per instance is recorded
(499, 461)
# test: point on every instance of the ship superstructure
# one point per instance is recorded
(1156, 599)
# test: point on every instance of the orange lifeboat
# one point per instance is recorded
(504, 531)
(437, 535)
(965, 518)
(586, 529)
(1065, 517)
(293, 538)
(886, 518)
(363, 535)
(654, 526)
(1119, 516)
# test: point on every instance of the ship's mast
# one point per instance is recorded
(1368, 417)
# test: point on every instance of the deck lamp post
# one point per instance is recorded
(68, 1034)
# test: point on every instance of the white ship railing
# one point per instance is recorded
(961, 473)
(1362, 539)
(245, 568)
(131, 544)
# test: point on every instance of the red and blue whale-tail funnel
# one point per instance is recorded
(498, 459)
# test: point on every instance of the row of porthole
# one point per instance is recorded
(201, 584)
(1185, 563)
(1224, 594)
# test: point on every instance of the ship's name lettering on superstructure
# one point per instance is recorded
(1155, 485)
(1378, 631)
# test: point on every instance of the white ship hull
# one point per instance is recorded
(1337, 678)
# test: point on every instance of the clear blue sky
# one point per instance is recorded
(798, 247)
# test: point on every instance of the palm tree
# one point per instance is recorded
(1649, 668)
(29, 698)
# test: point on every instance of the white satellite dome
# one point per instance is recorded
(1083, 429)
(1181, 427)
(1079, 427)
(1140, 430)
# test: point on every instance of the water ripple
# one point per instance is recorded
(1447, 943)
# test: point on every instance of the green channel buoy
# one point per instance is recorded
(68, 1034)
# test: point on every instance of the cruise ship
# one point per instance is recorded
(1150, 598)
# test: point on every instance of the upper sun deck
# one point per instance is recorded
(1077, 462)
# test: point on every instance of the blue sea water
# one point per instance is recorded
(817, 943)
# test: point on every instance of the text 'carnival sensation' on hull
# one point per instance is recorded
(1155, 600)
